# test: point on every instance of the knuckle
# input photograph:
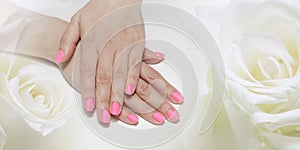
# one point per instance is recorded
(103, 101)
(87, 72)
(144, 92)
(153, 74)
(88, 92)
(134, 77)
(120, 73)
(103, 78)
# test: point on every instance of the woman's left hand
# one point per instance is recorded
(111, 52)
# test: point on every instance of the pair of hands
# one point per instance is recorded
(114, 66)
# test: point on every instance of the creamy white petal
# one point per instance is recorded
(279, 141)
(3, 138)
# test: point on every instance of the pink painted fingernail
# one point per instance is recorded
(129, 89)
(89, 104)
(133, 118)
(105, 116)
(173, 115)
(115, 108)
(158, 117)
(159, 54)
(59, 56)
(177, 97)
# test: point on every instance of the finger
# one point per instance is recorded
(134, 67)
(88, 64)
(151, 97)
(150, 75)
(151, 57)
(103, 85)
(119, 79)
(127, 116)
(69, 40)
(136, 104)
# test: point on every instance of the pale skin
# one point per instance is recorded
(114, 43)
(39, 37)
(112, 64)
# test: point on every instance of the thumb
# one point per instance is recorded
(68, 41)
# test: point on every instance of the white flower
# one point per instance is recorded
(3, 138)
(260, 41)
(36, 91)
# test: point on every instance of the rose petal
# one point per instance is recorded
(280, 141)
(245, 133)
(3, 138)
(251, 98)
(276, 121)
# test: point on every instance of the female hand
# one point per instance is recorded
(31, 44)
(111, 53)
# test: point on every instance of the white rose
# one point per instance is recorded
(260, 41)
(36, 91)
(3, 138)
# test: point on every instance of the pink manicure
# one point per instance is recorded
(115, 108)
(132, 118)
(59, 56)
(105, 116)
(159, 117)
(177, 97)
(129, 90)
(159, 54)
(173, 115)
(89, 104)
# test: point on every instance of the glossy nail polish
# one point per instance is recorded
(105, 116)
(89, 104)
(158, 117)
(177, 97)
(129, 89)
(159, 54)
(173, 115)
(59, 56)
(115, 108)
(133, 118)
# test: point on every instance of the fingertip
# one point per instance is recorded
(129, 89)
(159, 54)
(177, 97)
(104, 116)
(173, 115)
(133, 118)
(115, 108)
(59, 57)
(158, 117)
(153, 57)
(89, 104)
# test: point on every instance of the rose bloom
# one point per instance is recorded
(2, 138)
(36, 91)
(260, 42)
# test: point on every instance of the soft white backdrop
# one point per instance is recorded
(74, 134)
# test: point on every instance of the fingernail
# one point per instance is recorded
(177, 97)
(89, 104)
(133, 118)
(129, 89)
(105, 116)
(173, 115)
(59, 56)
(115, 108)
(158, 117)
(159, 54)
